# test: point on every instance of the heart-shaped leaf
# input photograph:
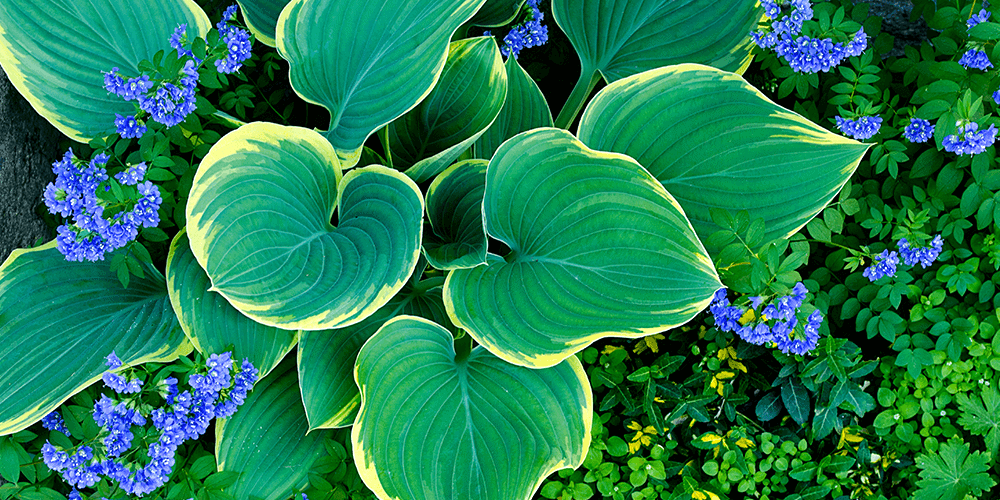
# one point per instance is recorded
(210, 323)
(463, 104)
(54, 51)
(715, 141)
(259, 224)
(457, 238)
(435, 424)
(261, 17)
(597, 249)
(621, 38)
(495, 13)
(326, 357)
(524, 109)
(268, 440)
(59, 319)
(367, 62)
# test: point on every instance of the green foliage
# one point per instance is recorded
(953, 472)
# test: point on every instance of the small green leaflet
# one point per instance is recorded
(953, 472)
(982, 418)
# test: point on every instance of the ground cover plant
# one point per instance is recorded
(340, 249)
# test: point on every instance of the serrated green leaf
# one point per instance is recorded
(980, 415)
(952, 472)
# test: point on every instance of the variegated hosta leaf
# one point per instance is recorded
(621, 38)
(58, 321)
(524, 109)
(268, 440)
(367, 62)
(463, 104)
(715, 141)
(495, 13)
(597, 249)
(457, 238)
(435, 424)
(326, 357)
(210, 323)
(54, 51)
(259, 224)
(261, 17)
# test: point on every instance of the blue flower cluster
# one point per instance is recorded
(532, 34)
(918, 130)
(785, 333)
(54, 422)
(237, 42)
(885, 263)
(981, 17)
(184, 417)
(974, 58)
(861, 128)
(803, 53)
(970, 140)
(89, 235)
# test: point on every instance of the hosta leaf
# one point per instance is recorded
(457, 238)
(435, 424)
(59, 319)
(261, 17)
(210, 323)
(54, 51)
(326, 357)
(495, 13)
(259, 224)
(524, 109)
(463, 104)
(621, 38)
(266, 441)
(367, 62)
(597, 249)
(715, 141)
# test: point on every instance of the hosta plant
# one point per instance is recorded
(460, 378)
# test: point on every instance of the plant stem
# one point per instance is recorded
(574, 103)
(463, 347)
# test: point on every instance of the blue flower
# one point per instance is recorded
(975, 59)
(996, 97)
(228, 15)
(132, 175)
(54, 422)
(177, 40)
(74, 495)
(918, 130)
(136, 88)
(982, 16)
(970, 140)
(923, 256)
(146, 209)
(884, 265)
(238, 43)
(114, 83)
(789, 342)
(128, 127)
(532, 34)
(861, 128)
(112, 361)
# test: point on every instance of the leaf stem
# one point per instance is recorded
(577, 98)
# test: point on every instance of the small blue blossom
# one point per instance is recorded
(861, 128)
(228, 15)
(787, 340)
(132, 175)
(178, 39)
(74, 495)
(54, 422)
(975, 59)
(238, 43)
(970, 140)
(112, 361)
(129, 127)
(981, 17)
(923, 256)
(918, 130)
(136, 88)
(114, 83)
(884, 265)
(996, 97)
(531, 34)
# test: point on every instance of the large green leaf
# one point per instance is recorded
(495, 13)
(326, 357)
(54, 51)
(59, 319)
(715, 141)
(463, 104)
(268, 440)
(367, 62)
(524, 109)
(435, 424)
(210, 323)
(259, 224)
(261, 17)
(597, 249)
(621, 38)
(457, 238)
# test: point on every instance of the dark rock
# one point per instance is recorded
(28, 146)
(895, 16)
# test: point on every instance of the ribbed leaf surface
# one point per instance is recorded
(261, 17)
(524, 109)
(435, 426)
(259, 224)
(597, 249)
(267, 441)
(463, 104)
(496, 13)
(54, 51)
(714, 140)
(326, 357)
(367, 62)
(59, 319)
(210, 323)
(621, 38)
(457, 237)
